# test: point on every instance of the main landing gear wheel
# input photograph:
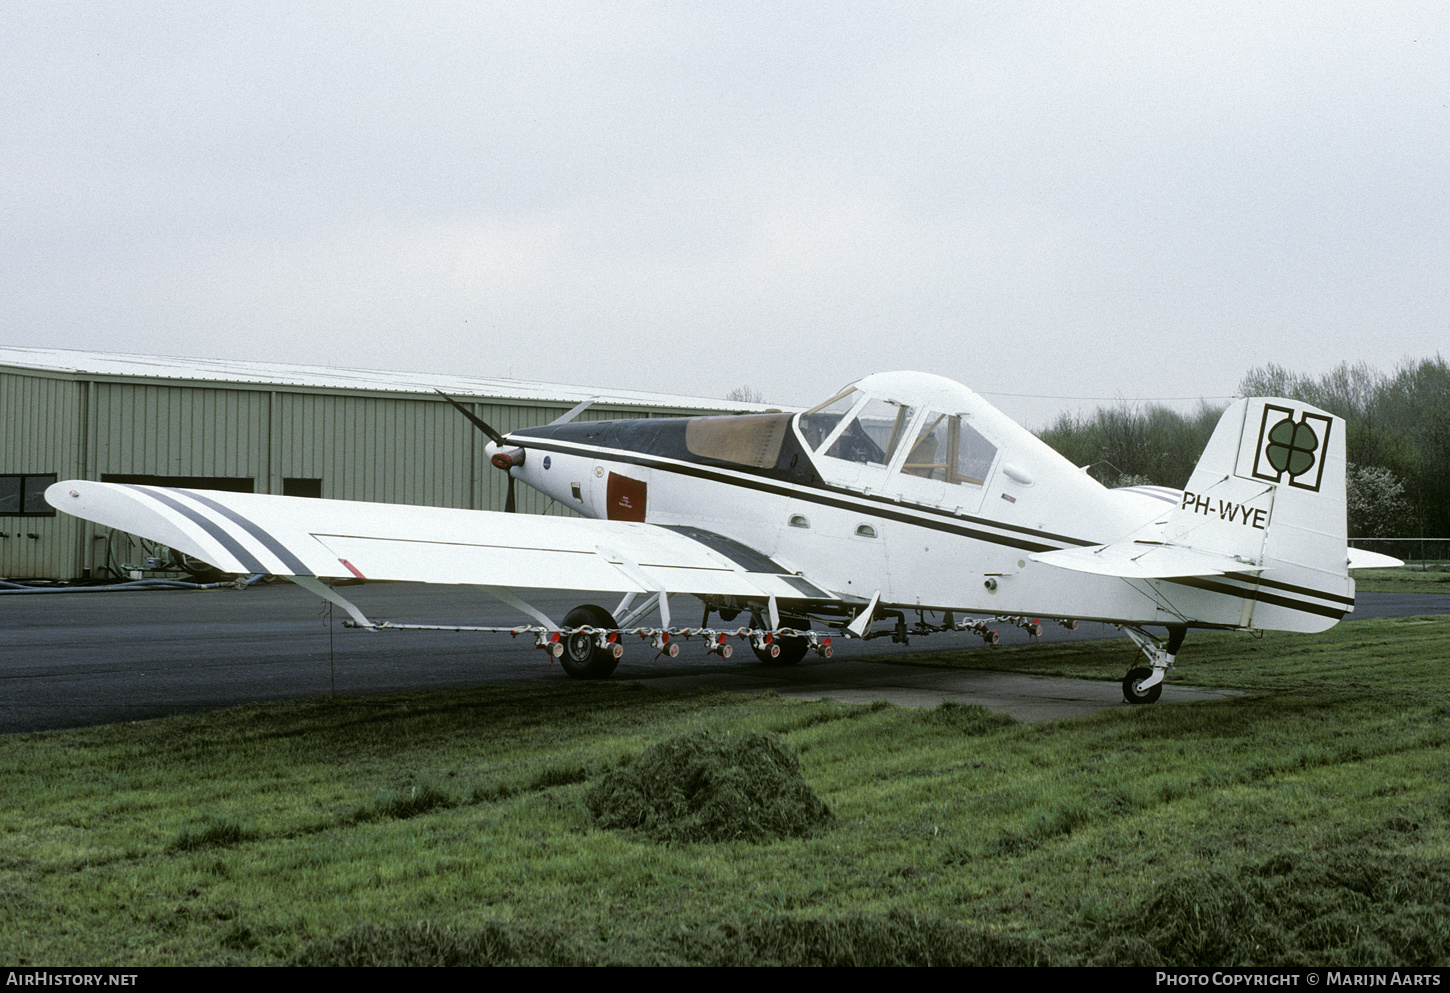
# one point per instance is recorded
(791, 649)
(583, 658)
(1131, 682)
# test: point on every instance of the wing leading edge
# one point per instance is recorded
(343, 539)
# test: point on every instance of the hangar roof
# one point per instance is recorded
(67, 362)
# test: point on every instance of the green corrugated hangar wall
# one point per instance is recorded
(347, 445)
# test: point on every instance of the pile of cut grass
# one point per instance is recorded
(1353, 905)
(1347, 906)
(709, 787)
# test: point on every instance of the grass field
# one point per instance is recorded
(1410, 578)
(1306, 822)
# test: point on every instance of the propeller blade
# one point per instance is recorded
(509, 505)
(574, 412)
(478, 422)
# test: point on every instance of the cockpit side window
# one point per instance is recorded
(950, 450)
(928, 455)
(975, 455)
(818, 422)
(874, 434)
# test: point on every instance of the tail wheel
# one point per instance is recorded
(1131, 683)
(583, 658)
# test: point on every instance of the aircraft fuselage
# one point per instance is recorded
(862, 536)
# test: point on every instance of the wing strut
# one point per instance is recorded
(574, 412)
(316, 586)
(638, 612)
(632, 569)
(508, 597)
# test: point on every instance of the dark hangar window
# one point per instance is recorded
(302, 487)
(24, 496)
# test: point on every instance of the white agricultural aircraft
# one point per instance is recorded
(904, 494)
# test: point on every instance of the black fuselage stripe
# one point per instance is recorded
(246, 558)
(1258, 596)
(1290, 587)
(877, 506)
(276, 547)
(614, 455)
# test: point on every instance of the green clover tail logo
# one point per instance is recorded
(1299, 449)
(1292, 447)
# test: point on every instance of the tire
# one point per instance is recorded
(792, 650)
(1131, 693)
(583, 658)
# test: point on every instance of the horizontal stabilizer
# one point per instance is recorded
(1361, 559)
(1145, 560)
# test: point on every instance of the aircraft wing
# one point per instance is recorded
(1145, 560)
(251, 533)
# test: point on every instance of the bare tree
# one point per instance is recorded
(1127, 446)
(746, 394)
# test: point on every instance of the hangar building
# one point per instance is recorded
(258, 427)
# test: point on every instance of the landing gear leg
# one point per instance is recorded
(1144, 684)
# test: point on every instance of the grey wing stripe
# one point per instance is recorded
(276, 547)
(246, 558)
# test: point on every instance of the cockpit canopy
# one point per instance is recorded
(909, 424)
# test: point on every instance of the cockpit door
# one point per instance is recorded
(948, 465)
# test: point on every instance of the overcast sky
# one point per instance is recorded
(1049, 201)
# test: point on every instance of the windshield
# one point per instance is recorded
(818, 422)
(874, 434)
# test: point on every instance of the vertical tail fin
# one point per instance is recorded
(1269, 490)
